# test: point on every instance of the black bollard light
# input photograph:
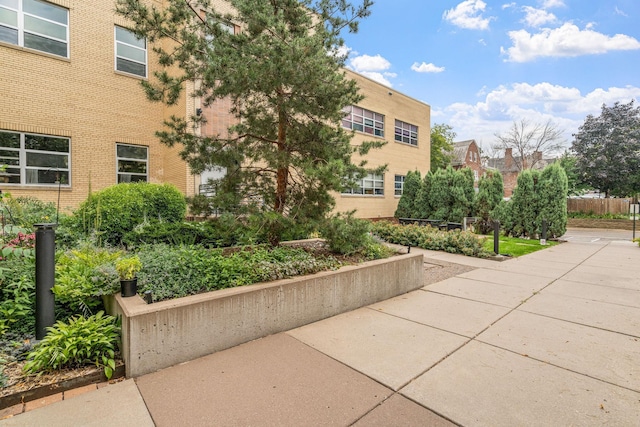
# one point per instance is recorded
(543, 236)
(496, 237)
(45, 277)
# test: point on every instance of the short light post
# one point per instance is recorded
(543, 235)
(496, 237)
(45, 277)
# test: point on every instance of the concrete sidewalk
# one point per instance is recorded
(551, 338)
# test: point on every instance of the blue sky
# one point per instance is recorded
(480, 65)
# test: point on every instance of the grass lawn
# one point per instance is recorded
(516, 247)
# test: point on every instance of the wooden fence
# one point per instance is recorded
(599, 206)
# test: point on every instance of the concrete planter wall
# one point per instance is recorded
(156, 336)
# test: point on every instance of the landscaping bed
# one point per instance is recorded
(155, 336)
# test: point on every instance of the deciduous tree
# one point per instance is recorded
(607, 150)
(442, 137)
(526, 138)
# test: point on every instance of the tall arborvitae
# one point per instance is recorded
(490, 193)
(552, 191)
(440, 194)
(423, 206)
(524, 206)
(407, 203)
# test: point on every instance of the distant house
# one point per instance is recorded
(510, 167)
(467, 154)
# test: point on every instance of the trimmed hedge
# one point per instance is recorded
(110, 213)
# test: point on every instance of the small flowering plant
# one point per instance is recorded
(22, 245)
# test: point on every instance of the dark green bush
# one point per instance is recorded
(110, 213)
(345, 234)
(408, 201)
(490, 193)
(78, 342)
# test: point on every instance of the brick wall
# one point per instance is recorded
(399, 158)
(84, 98)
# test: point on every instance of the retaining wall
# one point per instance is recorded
(159, 335)
(612, 224)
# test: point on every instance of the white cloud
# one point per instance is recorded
(373, 67)
(468, 15)
(369, 63)
(482, 42)
(537, 17)
(620, 12)
(426, 68)
(508, 5)
(568, 40)
(497, 110)
(548, 4)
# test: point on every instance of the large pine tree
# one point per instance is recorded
(284, 77)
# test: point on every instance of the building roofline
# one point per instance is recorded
(385, 86)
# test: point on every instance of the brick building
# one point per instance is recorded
(467, 154)
(74, 119)
(510, 167)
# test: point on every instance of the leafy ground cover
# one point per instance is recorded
(516, 247)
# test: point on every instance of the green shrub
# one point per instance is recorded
(17, 294)
(24, 211)
(83, 275)
(490, 193)
(110, 213)
(173, 272)
(457, 242)
(78, 342)
(173, 233)
(592, 215)
(408, 201)
(345, 234)
(553, 190)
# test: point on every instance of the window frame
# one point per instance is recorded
(362, 187)
(397, 191)
(131, 159)
(116, 42)
(355, 118)
(24, 171)
(21, 27)
(399, 130)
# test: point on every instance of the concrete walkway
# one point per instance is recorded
(551, 338)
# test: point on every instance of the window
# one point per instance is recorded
(131, 53)
(406, 133)
(132, 162)
(399, 185)
(372, 185)
(362, 120)
(35, 159)
(36, 25)
(475, 175)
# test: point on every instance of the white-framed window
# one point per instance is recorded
(130, 52)
(35, 24)
(398, 184)
(476, 176)
(370, 185)
(33, 159)
(406, 133)
(132, 163)
(363, 120)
